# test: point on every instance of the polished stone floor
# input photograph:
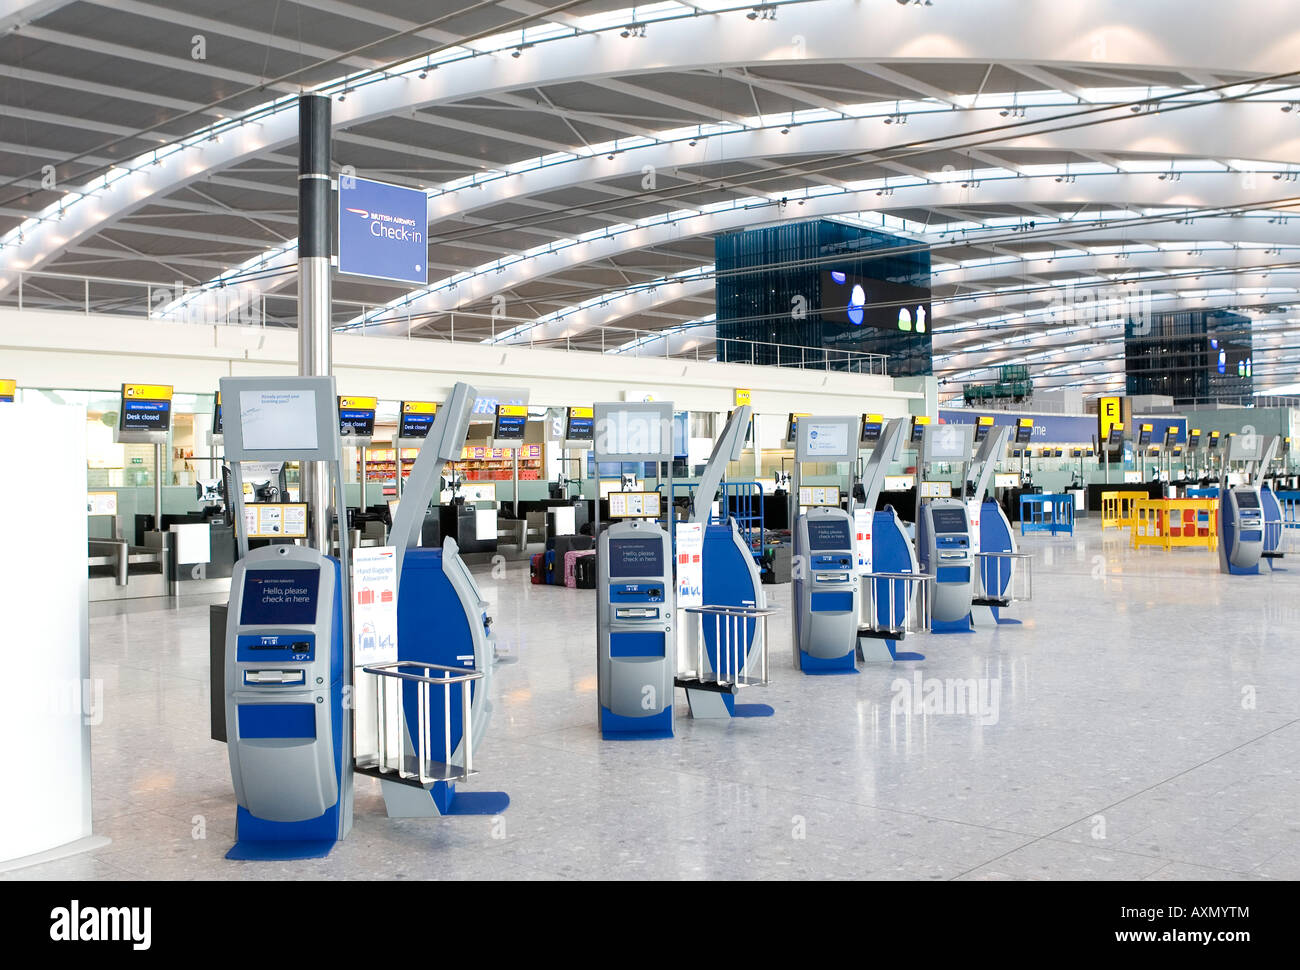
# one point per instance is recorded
(1143, 723)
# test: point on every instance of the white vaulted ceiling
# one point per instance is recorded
(1035, 148)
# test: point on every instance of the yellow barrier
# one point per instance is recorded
(1117, 509)
(1167, 523)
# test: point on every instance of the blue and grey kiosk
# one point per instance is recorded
(287, 667)
(824, 589)
(636, 652)
(1242, 507)
(994, 540)
(945, 542)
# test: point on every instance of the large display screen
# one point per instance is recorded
(279, 596)
(146, 407)
(1246, 499)
(357, 416)
(948, 521)
(863, 302)
(511, 422)
(828, 534)
(636, 557)
(416, 418)
(579, 424)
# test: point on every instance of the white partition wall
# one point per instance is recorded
(44, 653)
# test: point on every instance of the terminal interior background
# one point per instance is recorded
(1069, 232)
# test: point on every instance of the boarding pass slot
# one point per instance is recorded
(636, 613)
(841, 578)
(275, 678)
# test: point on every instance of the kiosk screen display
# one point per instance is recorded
(1247, 499)
(948, 520)
(636, 557)
(280, 596)
(829, 534)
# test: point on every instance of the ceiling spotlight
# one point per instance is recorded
(610, 156)
(785, 130)
(693, 142)
(516, 52)
(1290, 106)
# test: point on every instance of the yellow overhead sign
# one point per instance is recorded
(743, 396)
(8, 389)
(987, 420)
(582, 412)
(513, 410)
(147, 392)
(1109, 414)
(359, 403)
(419, 407)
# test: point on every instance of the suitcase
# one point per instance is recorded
(536, 569)
(571, 560)
(584, 572)
(550, 566)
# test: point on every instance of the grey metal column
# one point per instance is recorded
(315, 336)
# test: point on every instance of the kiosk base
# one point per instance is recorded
(707, 704)
(402, 800)
(615, 727)
(982, 616)
(874, 649)
(825, 666)
(952, 626)
(255, 851)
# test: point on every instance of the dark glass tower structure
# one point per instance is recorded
(820, 287)
(1194, 356)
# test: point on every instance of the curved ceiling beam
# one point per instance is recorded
(1193, 192)
(1249, 36)
(1250, 128)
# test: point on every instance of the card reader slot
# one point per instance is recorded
(276, 678)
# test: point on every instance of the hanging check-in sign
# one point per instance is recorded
(383, 230)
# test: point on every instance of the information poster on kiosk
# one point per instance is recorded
(862, 522)
(374, 606)
(690, 564)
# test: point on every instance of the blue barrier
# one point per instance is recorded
(1047, 513)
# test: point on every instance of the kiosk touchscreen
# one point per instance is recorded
(825, 592)
(636, 646)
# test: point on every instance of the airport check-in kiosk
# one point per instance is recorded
(993, 533)
(636, 652)
(1242, 507)
(825, 592)
(945, 544)
(289, 733)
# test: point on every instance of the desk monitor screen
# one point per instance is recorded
(1116, 437)
(948, 521)
(511, 421)
(829, 534)
(630, 558)
(579, 424)
(792, 427)
(1024, 431)
(146, 407)
(634, 505)
(1246, 498)
(8, 390)
(216, 415)
(416, 419)
(919, 424)
(280, 597)
(1194, 438)
(1213, 443)
(983, 425)
(357, 416)
(872, 426)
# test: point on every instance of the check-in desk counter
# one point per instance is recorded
(119, 570)
(473, 528)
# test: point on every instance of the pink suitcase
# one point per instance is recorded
(570, 563)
